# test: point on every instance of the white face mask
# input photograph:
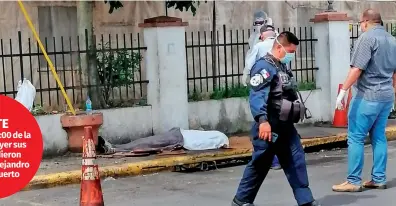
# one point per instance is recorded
(259, 21)
(257, 28)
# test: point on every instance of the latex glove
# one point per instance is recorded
(340, 98)
(245, 79)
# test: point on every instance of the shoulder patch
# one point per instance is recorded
(265, 74)
(256, 80)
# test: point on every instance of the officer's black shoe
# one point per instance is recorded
(314, 203)
(392, 115)
(276, 167)
(236, 202)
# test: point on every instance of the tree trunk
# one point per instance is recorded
(88, 59)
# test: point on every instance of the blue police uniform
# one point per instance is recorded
(274, 98)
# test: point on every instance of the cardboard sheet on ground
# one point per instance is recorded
(175, 138)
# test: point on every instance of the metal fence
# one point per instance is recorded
(21, 58)
(213, 62)
(217, 61)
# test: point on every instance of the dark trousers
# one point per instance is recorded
(275, 162)
(291, 157)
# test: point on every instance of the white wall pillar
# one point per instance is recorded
(332, 57)
(166, 71)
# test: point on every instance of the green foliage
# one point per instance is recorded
(304, 86)
(37, 110)
(180, 5)
(393, 32)
(196, 96)
(236, 91)
(116, 68)
(114, 5)
(142, 102)
(240, 91)
(184, 5)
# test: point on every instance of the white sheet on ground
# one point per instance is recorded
(204, 140)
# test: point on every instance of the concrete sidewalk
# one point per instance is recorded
(67, 170)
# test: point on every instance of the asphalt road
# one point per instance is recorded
(217, 187)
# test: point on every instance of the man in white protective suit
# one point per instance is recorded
(259, 20)
(264, 44)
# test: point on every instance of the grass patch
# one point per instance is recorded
(196, 96)
(238, 91)
(304, 86)
(235, 91)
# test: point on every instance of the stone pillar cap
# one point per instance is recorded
(162, 21)
(331, 16)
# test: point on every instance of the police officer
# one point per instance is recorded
(260, 49)
(275, 106)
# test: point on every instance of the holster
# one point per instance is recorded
(293, 111)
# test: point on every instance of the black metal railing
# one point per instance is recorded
(215, 62)
(21, 58)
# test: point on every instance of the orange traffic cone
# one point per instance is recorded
(340, 116)
(91, 190)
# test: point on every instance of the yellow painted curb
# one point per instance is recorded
(137, 168)
(167, 163)
(390, 134)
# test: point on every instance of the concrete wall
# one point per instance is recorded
(125, 20)
(167, 74)
(332, 58)
(233, 114)
(119, 126)
(54, 137)
(123, 125)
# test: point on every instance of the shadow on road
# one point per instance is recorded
(391, 183)
(342, 199)
(346, 199)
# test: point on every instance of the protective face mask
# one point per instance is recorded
(257, 28)
(287, 59)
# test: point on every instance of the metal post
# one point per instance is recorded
(330, 7)
(20, 54)
(166, 8)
